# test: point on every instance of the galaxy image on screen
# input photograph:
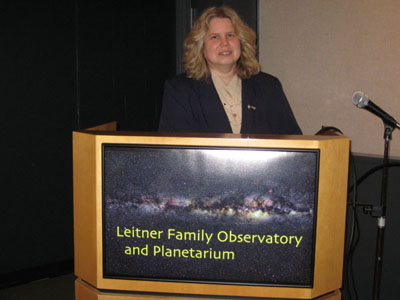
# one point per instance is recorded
(204, 214)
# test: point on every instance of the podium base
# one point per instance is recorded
(83, 291)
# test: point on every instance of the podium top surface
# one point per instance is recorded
(211, 135)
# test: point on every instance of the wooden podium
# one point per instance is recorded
(83, 291)
(99, 277)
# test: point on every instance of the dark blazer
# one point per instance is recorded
(191, 105)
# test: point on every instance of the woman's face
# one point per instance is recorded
(221, 45)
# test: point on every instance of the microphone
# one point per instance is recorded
(361, 101)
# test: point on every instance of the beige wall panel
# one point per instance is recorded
(324, 51)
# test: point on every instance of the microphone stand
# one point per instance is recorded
(381, 215)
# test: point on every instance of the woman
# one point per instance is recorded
(222, 89)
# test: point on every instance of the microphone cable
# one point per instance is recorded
(354, 236)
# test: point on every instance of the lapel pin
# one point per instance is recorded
(251, 107)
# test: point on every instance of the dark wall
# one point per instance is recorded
(37, 93)
(67, 65)
(126, 50)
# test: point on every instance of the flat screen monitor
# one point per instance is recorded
(222, 215)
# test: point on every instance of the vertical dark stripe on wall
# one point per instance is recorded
(77, 123)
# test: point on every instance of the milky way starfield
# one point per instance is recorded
(209, 214)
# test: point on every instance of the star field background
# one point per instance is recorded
(188, 189)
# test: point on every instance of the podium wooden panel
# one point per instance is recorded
(83, 291)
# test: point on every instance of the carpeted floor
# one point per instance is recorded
(57, 288)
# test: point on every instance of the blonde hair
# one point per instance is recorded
(194, 63)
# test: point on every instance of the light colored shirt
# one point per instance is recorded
(230, 95)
